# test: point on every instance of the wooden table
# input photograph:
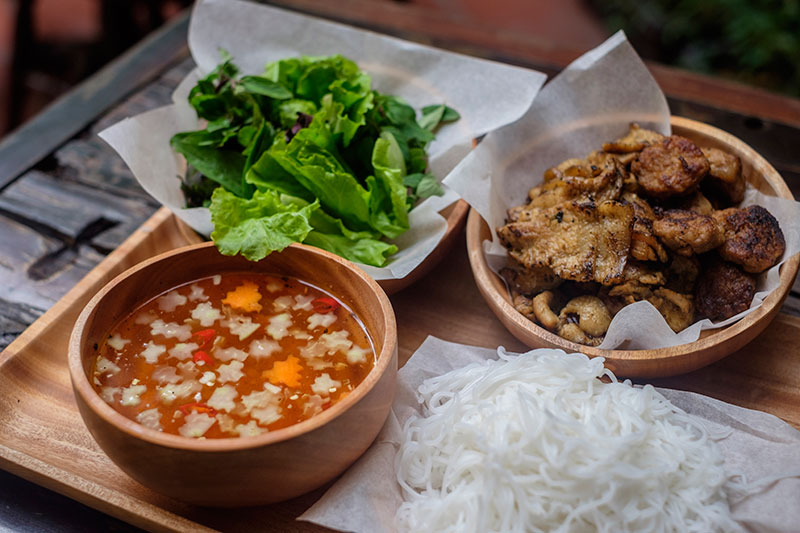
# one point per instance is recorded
(67, 200)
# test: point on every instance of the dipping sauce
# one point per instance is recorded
(233, 355)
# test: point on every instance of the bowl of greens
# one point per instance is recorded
(311, 131)
(307, 152)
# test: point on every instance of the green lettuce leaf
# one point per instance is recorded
(390, 168)
(258, 226)
(365, 251)
(311, 159)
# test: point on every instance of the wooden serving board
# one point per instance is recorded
(43, 439)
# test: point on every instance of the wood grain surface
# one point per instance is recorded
(44, 440)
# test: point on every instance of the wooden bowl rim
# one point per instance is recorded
(83, 387)
(487, 281)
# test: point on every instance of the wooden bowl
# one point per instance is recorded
(271, 467)
(456, 216)
(712, 344)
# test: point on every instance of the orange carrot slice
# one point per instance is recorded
(287, 372)
(244, 297)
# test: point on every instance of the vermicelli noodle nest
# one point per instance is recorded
(536, 442)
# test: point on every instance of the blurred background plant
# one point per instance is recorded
(752, 41)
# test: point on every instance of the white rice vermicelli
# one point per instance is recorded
(536, 442)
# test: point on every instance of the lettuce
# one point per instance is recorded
(307, 152)
(257, 226)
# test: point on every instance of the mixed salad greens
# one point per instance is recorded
(309, 153)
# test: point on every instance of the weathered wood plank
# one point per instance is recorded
(37, 270)
(71, 113)
(156, 94)
(68, 210)
(93, 163)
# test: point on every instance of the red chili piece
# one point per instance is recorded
(197, 406)
(206, 335)
(200, 355)
(324, 304)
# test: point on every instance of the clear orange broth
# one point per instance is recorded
(294, 402)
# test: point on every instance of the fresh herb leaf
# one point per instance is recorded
(265, 87)
(422, 186)
(197, 189)
(220, 165)
(433, 115)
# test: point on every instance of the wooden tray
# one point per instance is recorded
(43, 439)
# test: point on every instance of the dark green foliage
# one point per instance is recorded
(754, 41)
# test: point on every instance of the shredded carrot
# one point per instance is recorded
(244, 297)
(286, 372)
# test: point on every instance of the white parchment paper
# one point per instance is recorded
(757, 445)
(488, 95)
(591, 102)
